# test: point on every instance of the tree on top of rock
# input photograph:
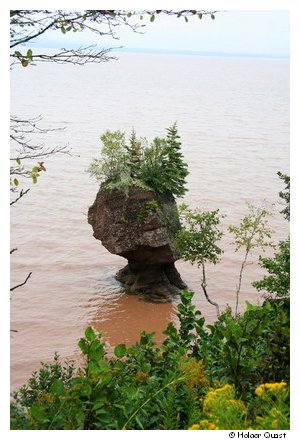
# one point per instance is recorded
(174, 166)
(158, 167)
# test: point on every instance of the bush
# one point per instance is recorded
(277, 283)
(199, 378)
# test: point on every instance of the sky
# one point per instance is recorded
(262, 33)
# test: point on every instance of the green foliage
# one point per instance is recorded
(150, 207)
(187, 338)
(175, 169)
(197, 240)
(242, 348)
(32, 173)
(151, 171)
(42, 380)
(159, 167)
(112, 165)
(285, 195)
(199, 378)
(277, 283)
(253, 232)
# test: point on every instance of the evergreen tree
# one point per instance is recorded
(135, 154)
(173, 165)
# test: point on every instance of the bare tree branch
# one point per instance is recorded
(21, 194)
(80, 56)
(22, 284)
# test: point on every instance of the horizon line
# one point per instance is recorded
(184, 52)
(201, 53)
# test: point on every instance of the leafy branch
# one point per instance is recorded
(253, 232)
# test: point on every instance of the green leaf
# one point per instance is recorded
(139, 422)
(93, 367)
(16, 182)
(84, 346)
(96, 346)
(120, 350)
(146, 367)
(57, 387)
(29, 54)
(97, 355)
(18, 54)
(102, 365)
(186, 19)
(34, 179)
(18, 161)
(104, 380)
(86, 389)
(212, 16)
(90, 334)
(38, 413)
(152, 18)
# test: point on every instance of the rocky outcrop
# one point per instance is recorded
(140, 227)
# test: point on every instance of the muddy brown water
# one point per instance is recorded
(233, 117)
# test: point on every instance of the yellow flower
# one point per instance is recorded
(204, 424)
(272, 387)
(220, 394)
(194, 427)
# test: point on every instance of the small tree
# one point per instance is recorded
(253, 232)
(174, 168)
(278, 280)
(278, 267)
(151, 171)
(135, 155)
(197, 241)
(112, 169)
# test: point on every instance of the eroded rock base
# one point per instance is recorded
(157, 283)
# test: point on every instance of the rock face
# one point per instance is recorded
(140, 226)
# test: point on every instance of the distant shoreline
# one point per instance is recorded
(145, 51)
(199, 53)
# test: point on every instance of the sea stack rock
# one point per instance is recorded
(140, 226)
